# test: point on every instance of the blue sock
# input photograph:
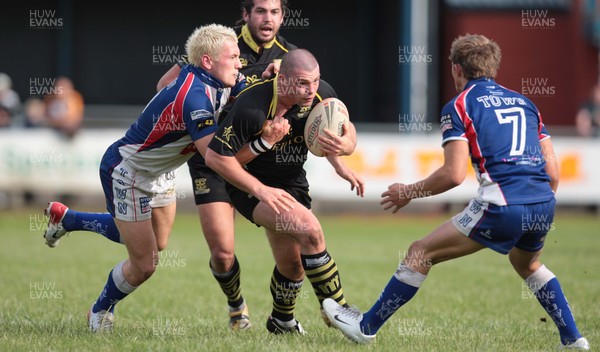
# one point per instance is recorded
(399, 290)
(548, 292)
(115, 290)
(100, 223)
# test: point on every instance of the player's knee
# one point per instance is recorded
(526, 269)
(142, 272)
(416, 256)
(524, 265)
(147, 270)
(221, 260)
(313, 238)
(149, 267)
(416, 249)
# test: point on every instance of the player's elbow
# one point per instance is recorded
(209, 158)
(212, 160)
(456, 177)
(553, 174)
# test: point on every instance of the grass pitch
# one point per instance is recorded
(475, 303)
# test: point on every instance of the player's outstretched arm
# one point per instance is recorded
(168, 77)
(356, 182)
(345, 144)
(551, 162)
(448, 176)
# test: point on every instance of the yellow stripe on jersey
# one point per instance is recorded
(254, 85)
(273, 105)
(281, 46)
(318, 97)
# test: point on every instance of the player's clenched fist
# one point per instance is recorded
(396, 196)
(274, 130)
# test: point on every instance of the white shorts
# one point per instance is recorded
(132, 194)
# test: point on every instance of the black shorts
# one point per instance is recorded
(208, 186)
(245, 203)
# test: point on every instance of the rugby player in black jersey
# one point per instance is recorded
(260, 45)
(272, 190)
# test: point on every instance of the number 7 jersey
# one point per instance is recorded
(503, 129)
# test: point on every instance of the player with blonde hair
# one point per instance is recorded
(260, 44)
(137, 171)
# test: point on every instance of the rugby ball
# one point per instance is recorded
(330, 113)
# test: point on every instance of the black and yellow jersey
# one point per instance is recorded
(282, 166)
(255, 59)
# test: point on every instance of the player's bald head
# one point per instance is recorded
(298, 60)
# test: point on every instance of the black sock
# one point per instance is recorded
(321, 271)
(230, 284)
(284, 292)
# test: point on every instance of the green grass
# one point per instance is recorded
(475, 303)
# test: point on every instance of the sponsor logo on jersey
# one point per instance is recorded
(205, 123)
(252, 79)
(304, 111)
(244, 61)
(228, 133)
(446, 123)
(487, 234)
(198, 114)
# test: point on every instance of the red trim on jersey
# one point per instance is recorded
(541, 127)
(471, 134)
(180, 97)
(208, 93)
(172, 115)
(461, 109)
(135, 219)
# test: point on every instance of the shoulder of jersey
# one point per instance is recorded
(251, 88)
(284, 44)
